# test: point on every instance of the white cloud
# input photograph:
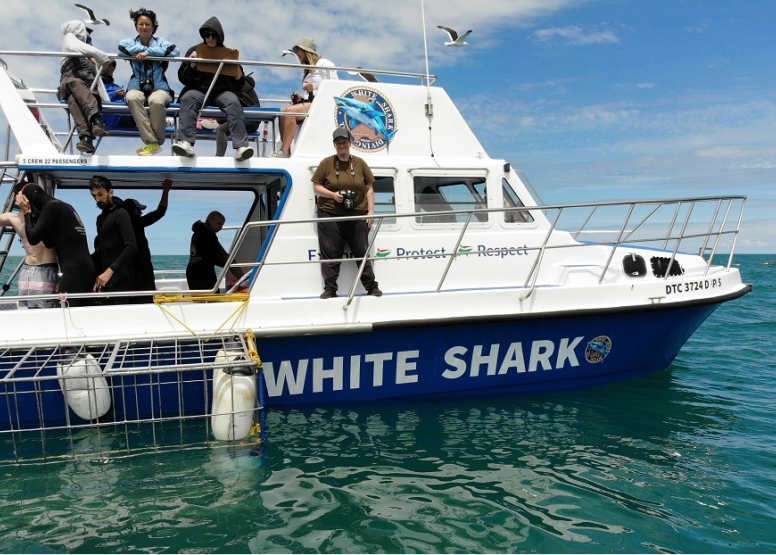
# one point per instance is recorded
(697, 29)
(575, 35)
(634, 86)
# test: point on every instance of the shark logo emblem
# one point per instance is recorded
(368, 116)
(598, 349)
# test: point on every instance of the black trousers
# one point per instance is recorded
(332, 238)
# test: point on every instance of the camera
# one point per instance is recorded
(348, 195)
(147, 86)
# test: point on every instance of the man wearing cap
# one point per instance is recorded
(305, 50)
(115, 244)
(144, 278)
(343, 185)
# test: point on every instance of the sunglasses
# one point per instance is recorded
(209, 35)
(341, 142)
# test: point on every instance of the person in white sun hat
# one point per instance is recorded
(305, 50)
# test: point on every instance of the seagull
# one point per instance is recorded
(455, 40)
(92, 20)
(288, 52)
(365, 76)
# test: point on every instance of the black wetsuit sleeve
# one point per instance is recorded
(152, 217)
(38, 231)
(124, 225)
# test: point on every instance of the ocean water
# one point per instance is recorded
(678, 461)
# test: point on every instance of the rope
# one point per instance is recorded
(203, 297)
(66, 314)
(250, 339)
(258, 428)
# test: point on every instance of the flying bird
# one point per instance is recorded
(288, 52)
(92, 20)
(365, 76)
(455, 40)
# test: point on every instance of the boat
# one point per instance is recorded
(487, 290)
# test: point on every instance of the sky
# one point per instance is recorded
(591, 99)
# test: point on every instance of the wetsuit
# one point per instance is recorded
(114, 247)
(206, 254)
(144, 268)
(59, 226)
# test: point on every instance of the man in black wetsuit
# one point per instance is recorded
(207, 253)
(144, 268)
(115, 244)
(59, 226)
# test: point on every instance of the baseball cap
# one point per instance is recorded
(340, 133)
(132, 203)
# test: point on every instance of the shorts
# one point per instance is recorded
(39, 280)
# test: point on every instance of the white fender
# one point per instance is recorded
(234, 400)
(85, 388)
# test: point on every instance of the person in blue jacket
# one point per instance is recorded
(148, 85)
(116, 93)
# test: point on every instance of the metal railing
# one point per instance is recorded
(257, 63)
(698, 224)
(717, 227)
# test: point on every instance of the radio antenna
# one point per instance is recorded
(429, 107)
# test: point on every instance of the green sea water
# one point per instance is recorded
(678, 461)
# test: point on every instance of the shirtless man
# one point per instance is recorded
(58, 225)
(39, 273)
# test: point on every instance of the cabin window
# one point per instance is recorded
(511, 200)
(437, 194)
(385, 198)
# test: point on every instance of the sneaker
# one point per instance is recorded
(243, 153)
(149, 150)
(183, 148)
(208, 123)
(375, 292)
(278, 154)
(98, 127)
(328, 294)
(85, 145)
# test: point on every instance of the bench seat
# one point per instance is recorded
(265, 116)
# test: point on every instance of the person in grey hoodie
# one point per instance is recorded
(77, 84)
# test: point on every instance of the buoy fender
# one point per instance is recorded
(234, 401)
(85, 388)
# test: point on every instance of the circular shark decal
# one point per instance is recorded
(368, 116)
(598, 349)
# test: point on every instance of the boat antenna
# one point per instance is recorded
(429, 105)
